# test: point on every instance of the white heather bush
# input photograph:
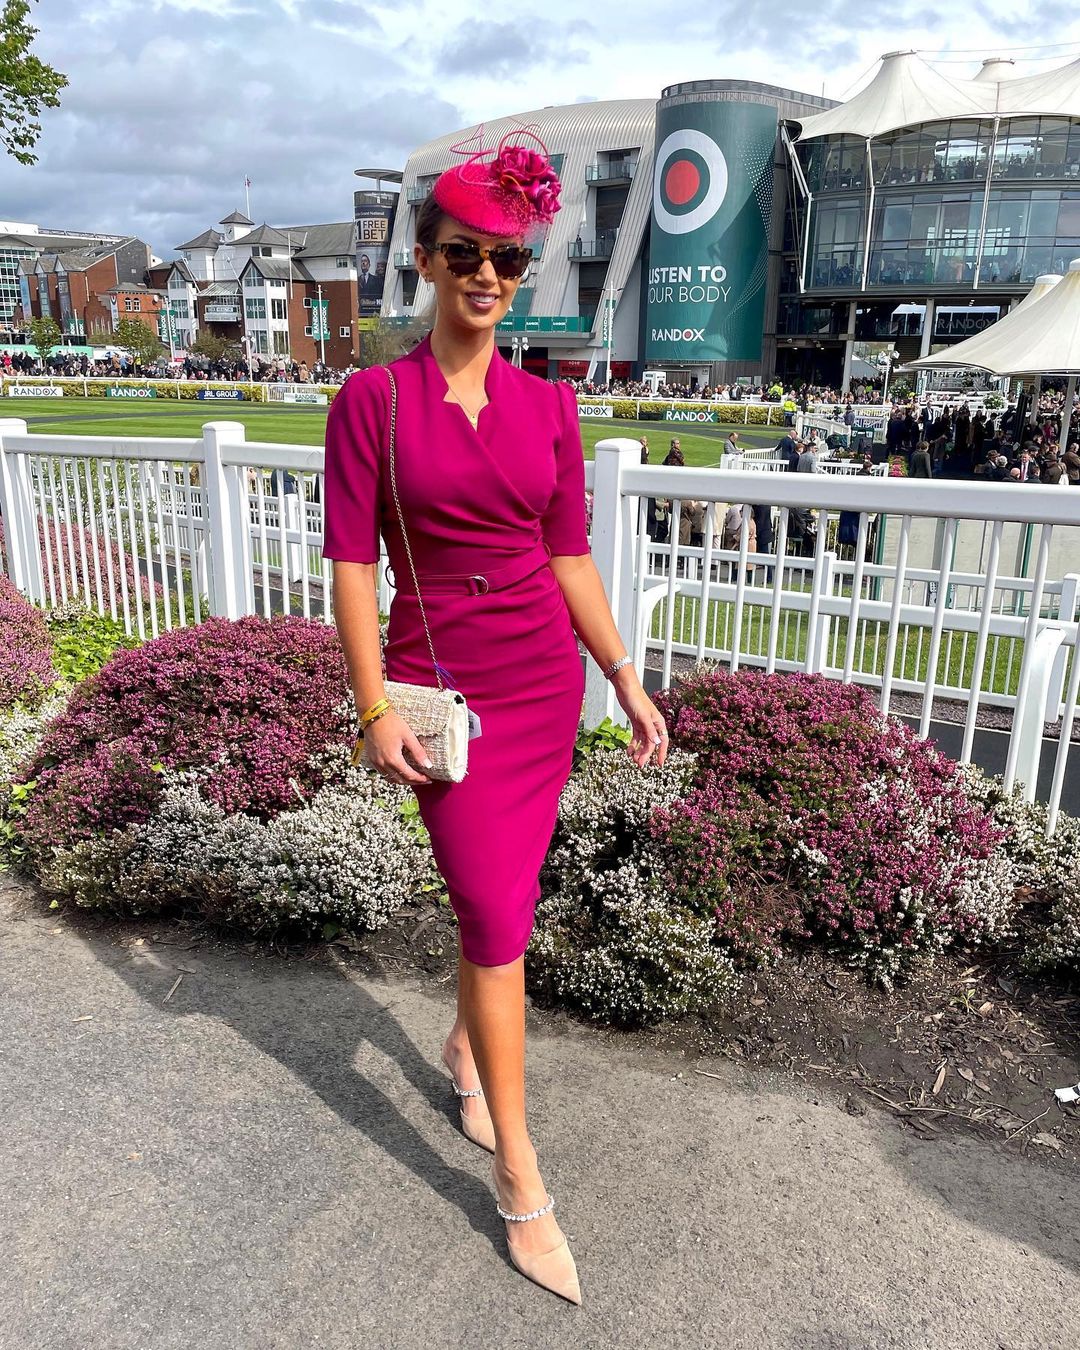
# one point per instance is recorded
(21, 729)
(1045, 865)
(1055, 944)
(609, 940)
(347, 857)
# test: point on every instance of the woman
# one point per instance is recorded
(691, 513)
(490, 474)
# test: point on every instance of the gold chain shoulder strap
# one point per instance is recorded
(401, 519)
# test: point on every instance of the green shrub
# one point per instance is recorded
(83, 640)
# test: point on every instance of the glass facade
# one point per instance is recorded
(953, 206)
(9, 279)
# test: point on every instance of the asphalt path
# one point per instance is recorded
(268, 1159)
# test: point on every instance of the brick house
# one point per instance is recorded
(75, 286)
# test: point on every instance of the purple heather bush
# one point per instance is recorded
(810, 815)
(251, 704)
(26, 668)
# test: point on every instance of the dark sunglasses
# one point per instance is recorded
(465, 259)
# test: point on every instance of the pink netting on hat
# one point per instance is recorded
(509, 190)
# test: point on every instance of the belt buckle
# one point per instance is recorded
(482, 586)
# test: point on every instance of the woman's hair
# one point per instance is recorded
(428, 219)
(674, 456)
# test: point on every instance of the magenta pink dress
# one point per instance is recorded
(475, 501)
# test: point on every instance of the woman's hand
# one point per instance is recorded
(646, 722)
(387, 739)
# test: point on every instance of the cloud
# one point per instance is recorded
(498, 50)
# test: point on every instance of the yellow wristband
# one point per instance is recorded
(381, 706)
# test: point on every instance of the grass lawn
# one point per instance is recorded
(956, 658)
(303, 425)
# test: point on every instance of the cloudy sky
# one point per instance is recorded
(172, 102)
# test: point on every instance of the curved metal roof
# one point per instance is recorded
(907, 91)
(577, 131)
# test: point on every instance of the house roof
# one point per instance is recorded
(323, 241)
(237, 218)
(265, 234)
(208, 239)
(222, 288)
(278, 269)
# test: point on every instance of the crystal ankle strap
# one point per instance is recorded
(466, 1092)
(524, 1218)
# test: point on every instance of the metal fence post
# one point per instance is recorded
(228, 524)
(1067, 604)
(613, 551)
(19, 516)
(817, 638)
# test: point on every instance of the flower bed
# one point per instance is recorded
(26, 667)
(208, 769)
(809, 815)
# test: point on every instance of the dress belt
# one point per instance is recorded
(476, 583)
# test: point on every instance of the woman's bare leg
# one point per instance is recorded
(491, 1003)
(458, 1056)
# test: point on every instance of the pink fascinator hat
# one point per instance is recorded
(510, 190)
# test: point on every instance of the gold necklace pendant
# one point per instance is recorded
(474, 418)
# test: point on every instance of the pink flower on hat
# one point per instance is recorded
(518, 169)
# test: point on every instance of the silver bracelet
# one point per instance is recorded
(617, 666)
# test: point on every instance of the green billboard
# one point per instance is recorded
(709, 244)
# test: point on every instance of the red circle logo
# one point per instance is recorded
(681, 182)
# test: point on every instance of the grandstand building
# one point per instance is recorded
(736, 230)
(264, 284)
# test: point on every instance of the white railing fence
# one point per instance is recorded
(900, 585)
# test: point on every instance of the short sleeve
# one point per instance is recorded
(355, 429)
(563, 522)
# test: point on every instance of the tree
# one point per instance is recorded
(45, 334)
(388, 340)
(143, 344)
(26, 84)
(214, 348)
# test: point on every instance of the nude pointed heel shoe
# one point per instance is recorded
(554, 1270)
(477, 1128)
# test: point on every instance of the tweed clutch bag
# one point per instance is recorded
(439, 717)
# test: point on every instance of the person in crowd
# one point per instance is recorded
(807, 461)
(921, 466)
(1070, 462)
(691, 513)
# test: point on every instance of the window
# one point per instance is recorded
(255, 307)
(281, 343)
(308, 331)
(133, 304)
(308, 302)
(187, 255)
(279, 309)
(342, 261)
(262, 252)
(181, 309)
(278, 285)
(259, 341)
(253, 281)
(344, 331)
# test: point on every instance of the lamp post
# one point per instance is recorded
(886, 360)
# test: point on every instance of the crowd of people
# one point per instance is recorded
(118, 365)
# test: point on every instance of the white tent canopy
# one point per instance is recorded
(907, 91)
(966, 353)
(1040, 337)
